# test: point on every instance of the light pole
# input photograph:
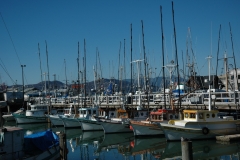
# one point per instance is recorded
(23, 83)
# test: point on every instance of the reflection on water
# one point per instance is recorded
(97, 145)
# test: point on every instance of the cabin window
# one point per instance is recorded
(94, 112)
(200, 115)
(186, 115)
(213, 115)
(192, 115)
(112, 114)
(141, 114)
(207, 115)
(171, 116)
(136, 114)
(89, 112)
(153, 117)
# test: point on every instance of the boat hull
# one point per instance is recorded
(89, 125)
(71, 122)
(55, 120)
(8, 117)
(23, 119)
(145, 129)
(115, 127)
(204, 130)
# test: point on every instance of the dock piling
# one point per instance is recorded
(186, 149)
(63, 146)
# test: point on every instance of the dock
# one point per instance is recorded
(228, 138)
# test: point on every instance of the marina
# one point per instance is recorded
(143, 110)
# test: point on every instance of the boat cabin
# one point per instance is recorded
(122, 113)
(203, 115)
(163, 114)
(87, 112)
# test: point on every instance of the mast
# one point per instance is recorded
(84, 73)
(236, 78)
(65, 72)
(40, 63)
(176, 55)
(163, 68)
(131, 58)
(145, 62)
(119, 64)
(78, 73)
(124, 65)
(209, 85)
(139, 88)
(47, 65)
(218, 47)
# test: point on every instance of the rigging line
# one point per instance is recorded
(10, 39)
(8, 74)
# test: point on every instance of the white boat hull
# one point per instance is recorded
(89, 125)
(22, 119)
(8, 117)
(175, 133)
(55, 120)
(146, 129)
(115, 127)
(71, 122)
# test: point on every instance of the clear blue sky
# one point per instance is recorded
(106, 23)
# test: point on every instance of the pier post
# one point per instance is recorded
(186, 149)
(63, 146)
(1, 119)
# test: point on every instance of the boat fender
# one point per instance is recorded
(205, 130)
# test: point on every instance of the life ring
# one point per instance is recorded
(205, 130)
(171, 122)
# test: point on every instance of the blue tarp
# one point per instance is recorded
(41, 140)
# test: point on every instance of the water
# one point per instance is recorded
(124, 146)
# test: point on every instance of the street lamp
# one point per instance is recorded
(23, 83)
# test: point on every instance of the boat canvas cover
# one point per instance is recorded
(41, 140)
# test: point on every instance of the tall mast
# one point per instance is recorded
(124, 63)
(209, 85)
(131, 58)
(163, 68)
(40, 63)
(47, 65)
(236, 78)
(65, 73)
(119, 64)
(85, 73)
(218, 47)
(78, 73)
(175, 37)
(145, 62)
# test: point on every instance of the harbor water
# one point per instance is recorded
(124, 146)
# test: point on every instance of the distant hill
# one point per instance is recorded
(101, 84)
